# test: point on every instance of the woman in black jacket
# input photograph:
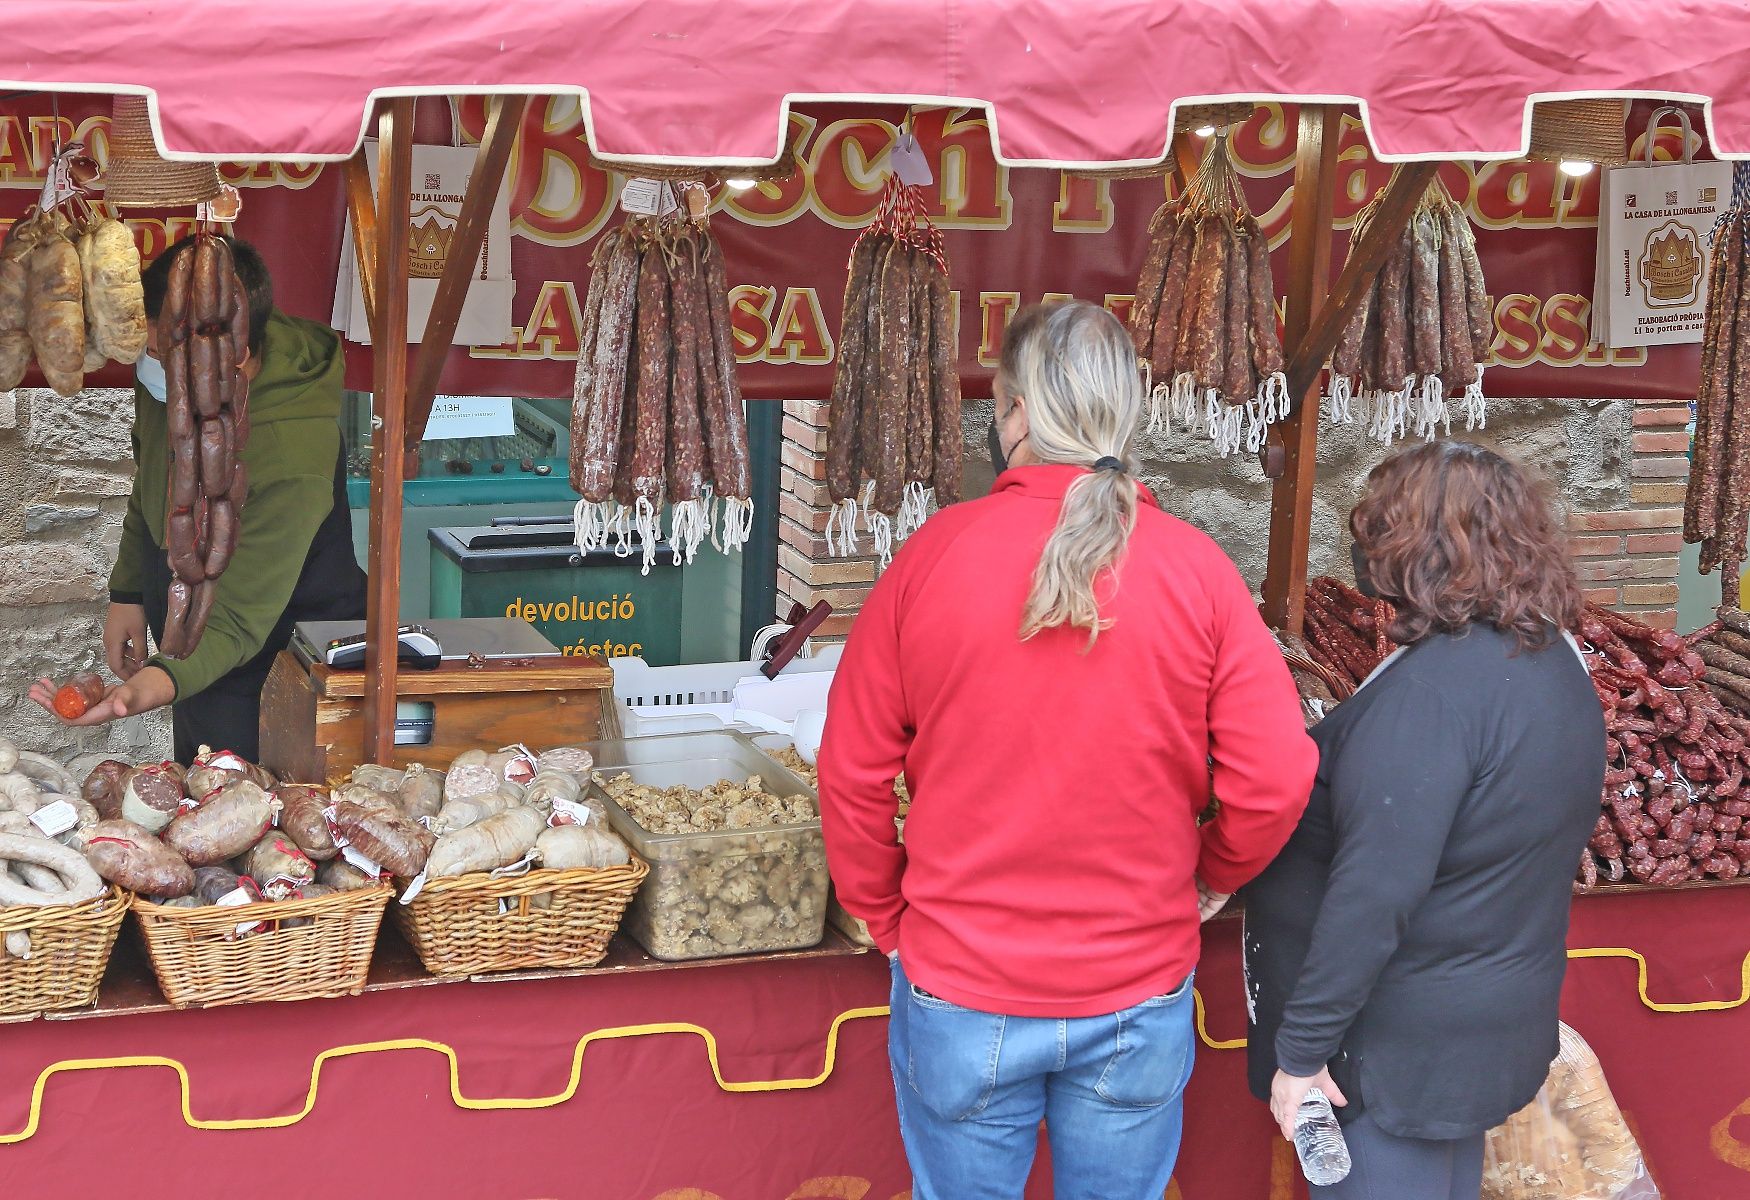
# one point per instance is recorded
(1405, 952)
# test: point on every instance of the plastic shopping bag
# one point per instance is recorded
(1570, 1143)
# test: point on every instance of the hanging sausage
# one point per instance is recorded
(893, 438)
(1204, 320)
(1716, 506)
(657, 417)
(1422, 334)
(203, 333)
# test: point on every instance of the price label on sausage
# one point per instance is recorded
(647, 197)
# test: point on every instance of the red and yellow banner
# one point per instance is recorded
(1013, 237)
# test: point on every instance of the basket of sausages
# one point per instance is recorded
(524, 873)
(238, 886)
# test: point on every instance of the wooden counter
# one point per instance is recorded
(312, 718)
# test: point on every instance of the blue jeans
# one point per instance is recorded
(973, 1087)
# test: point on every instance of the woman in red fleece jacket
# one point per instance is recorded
(1058, 669)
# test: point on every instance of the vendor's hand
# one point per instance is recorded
(1287, 1091)
(1210, 902)
(151, 687)
(124, 640)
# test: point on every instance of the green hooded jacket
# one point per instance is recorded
(294, 442)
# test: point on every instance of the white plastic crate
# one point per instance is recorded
(694, 696)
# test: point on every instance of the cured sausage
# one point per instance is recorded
(725, 419)
(184, 473)
(1393, 324)
(650, 435)
(844, 407)
(174, 643)
(601, 390)
(1237, 385)
(686, 435)
(1266, 342)
(217, 440)
(1209, 333)
(890, 401)
(1458, 366)
(204, 372)
(182, 532)
(945, 385)
(221, 537)
(1162, 230)
(1424, 298)
(920, 450)
(1170, 314)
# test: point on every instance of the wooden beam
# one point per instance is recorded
(361, 206)
(1309, 273)
(490, 160)
(388, 440)
(1366, 256)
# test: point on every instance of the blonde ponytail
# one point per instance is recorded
(1074, 369)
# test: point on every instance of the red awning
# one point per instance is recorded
(701, 81)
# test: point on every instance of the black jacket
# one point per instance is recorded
(1412, 934)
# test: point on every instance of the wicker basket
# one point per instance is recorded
(201, 962)
(475, 924)
(137, 176)
(1586, 130)
(69, 949)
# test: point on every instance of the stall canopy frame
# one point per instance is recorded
(696, 83)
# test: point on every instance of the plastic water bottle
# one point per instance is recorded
(1318, 1140)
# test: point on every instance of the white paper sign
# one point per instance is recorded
(440, 181)
(647, 197)
(470, 417)
(55, 819)
(908, 162)
(1653, 251)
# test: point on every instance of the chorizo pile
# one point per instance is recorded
(1423, 333)
(203, 330)
(1674, 801)
(893, 438)
(70, 297)
(657, 415)
(1346, 633)
(1716, 505)
(1204, 320)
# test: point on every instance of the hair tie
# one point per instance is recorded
(1108, 463)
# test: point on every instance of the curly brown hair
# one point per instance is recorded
(1454, 533)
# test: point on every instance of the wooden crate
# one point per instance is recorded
(312, 718)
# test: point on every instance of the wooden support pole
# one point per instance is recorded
(490, 159)
(1309, 273)
(389, 437)
(1366, 256)
(361, 206)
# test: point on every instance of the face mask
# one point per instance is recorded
(999, 458)
(1363, 577)
(149, 372)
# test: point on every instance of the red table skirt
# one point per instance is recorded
(753, 1081)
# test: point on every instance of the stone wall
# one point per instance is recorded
(65, 473)
(1616, 464)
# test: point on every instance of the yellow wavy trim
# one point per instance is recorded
(630, 1031)
(456, 1095)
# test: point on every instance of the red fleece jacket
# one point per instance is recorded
(1049, 854)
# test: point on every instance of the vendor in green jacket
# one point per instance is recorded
(294, 559)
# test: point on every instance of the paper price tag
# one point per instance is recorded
(361, 862)
(414, 886)
(223, 209)
(58, 185)
(647, 197)
(907, 161)
(236, 898)
(55, 819)
(569, 812)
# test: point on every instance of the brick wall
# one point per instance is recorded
(1626, 536)
(1627, 557)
